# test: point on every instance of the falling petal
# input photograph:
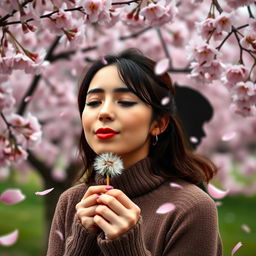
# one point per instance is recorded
(218, 203)
(62, 114)
(45, 192)
(59, 234)
(175, 185)
(193, 139)
(12, 196)
(164, 208)
(165, 101)
(228, 136)
(162, 66)
(9, 239)
(246, 228)
(103, 60)
(27, 99)
(216, 193)
(237, 246)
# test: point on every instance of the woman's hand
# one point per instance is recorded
(85, 209)
(115, 213)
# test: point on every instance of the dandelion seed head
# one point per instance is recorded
(108, 164)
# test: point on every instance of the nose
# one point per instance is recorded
(106, 113)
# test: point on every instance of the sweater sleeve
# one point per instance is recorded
(128, 244)
(78, 242)
(195, 232)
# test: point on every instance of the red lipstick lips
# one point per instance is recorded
(105, 133)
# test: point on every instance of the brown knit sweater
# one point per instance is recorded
(191, 229)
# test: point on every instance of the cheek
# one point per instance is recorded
(138, 121)
(86, 121)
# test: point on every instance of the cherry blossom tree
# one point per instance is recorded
(45, 45)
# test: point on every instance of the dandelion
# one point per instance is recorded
(109, 165)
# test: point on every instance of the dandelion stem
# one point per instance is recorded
(108, 180)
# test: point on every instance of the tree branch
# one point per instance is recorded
(36, 79)
(13, 12)
(122, 38)
(167, 54)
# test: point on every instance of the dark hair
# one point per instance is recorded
(172, 154)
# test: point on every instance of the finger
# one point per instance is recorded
(89, 201)
(89, 224)
(105, 212)
(86, 212)
(95, 190)
(112, 203)
(109, 230)
(122, 198)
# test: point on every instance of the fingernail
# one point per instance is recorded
(109, 188)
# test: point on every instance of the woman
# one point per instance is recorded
(127, 110)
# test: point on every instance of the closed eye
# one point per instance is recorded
(127, 103)
(93, 103)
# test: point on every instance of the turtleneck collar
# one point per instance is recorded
(136, 180)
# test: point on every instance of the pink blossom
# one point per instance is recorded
(242, 91)
(249, 39)
(252, 24)
(202, 52)
(96, 8)
(238, 3)
(159, 14)
(243, 108)
(235, 74)
(223, 22)
(206, 27)
(206, 73)
(249, 167)
(15, 153)
(6, 99)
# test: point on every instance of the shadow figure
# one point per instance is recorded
(193, 110)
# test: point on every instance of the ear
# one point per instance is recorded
(159, 126)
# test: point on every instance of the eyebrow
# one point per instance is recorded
(100, 90)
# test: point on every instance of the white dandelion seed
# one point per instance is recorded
(108, 164)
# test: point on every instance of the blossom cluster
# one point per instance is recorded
(45, 45)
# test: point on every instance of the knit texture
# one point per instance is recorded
(191, 229)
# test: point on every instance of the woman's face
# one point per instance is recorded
(116, 120)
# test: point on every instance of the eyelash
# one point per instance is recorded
(123, 103)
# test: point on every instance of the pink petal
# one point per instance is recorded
(246, 228)
(237, 246)
(228, 136)
(164, 208)
(165, 101)
(175, 185)
(193, 139)
(28, 98)
(218, 203)
(162, 66)
(103, 60)
(9, 239)
(59, 234)
(62, 114)
(12, 196)
(216, 193)
(45, 192)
